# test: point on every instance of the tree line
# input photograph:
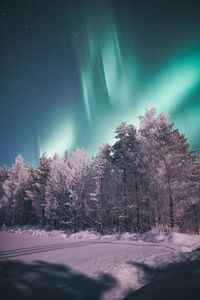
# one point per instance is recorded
(149, 177)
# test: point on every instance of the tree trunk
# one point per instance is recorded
(171, 201)
(137, 204)
(102, 207)
(171, 209)
(125, 200)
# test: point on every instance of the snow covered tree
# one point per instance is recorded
(189, 210)
(14, 191)
(174, 155)
(58, 205)
(126, 157)
(153, 185)
(3, 177)
(80, 168)
(40, 177)
(101, 196)
(166, 157)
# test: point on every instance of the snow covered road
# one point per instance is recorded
(43, 267)
(89, 257)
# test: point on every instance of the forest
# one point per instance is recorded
(149, 177)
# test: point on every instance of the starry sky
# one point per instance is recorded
(71, 71)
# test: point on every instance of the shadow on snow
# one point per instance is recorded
(42, 280)
(176, 281)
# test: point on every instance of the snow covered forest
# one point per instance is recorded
(148, 178)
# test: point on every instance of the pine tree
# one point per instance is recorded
(126, 157)
(152, 185)
(101, 194)
(174, 151)
(189, 210)
(58, 205)
(80, 167)
(166, 158)
(39, 182)
(14, 191)
(3, 177)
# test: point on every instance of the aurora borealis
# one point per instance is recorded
(73, 70)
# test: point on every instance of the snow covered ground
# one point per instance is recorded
(179, 241)
(117, 256)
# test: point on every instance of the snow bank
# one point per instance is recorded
(38, 232)
(180, 241)
(85, 235)
(187, 242)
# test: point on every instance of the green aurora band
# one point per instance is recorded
(108, 72)
(113, 90)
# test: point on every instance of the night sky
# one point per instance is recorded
(71, 71)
